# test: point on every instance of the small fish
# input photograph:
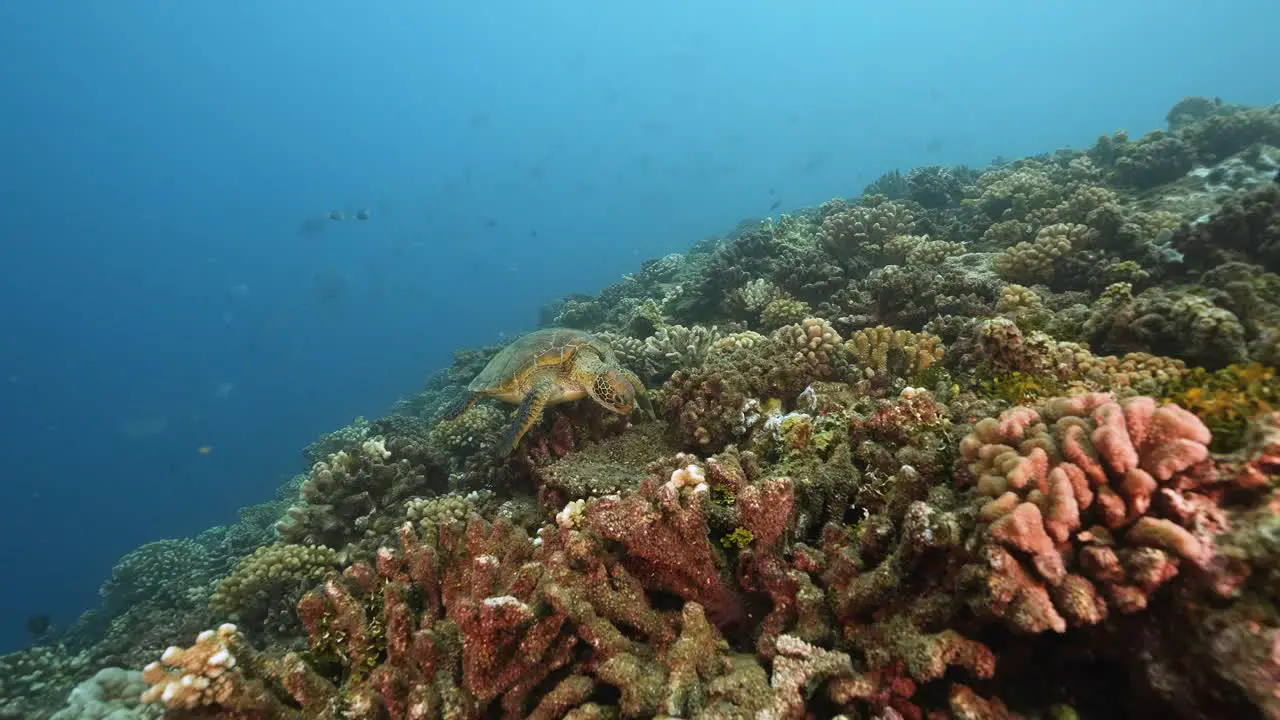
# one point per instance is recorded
(490, 222)
(205, 449)
(775, 205)
(363, 214)
(335, 215)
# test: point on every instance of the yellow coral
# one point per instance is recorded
(1229, 399)
(784, 310)
(921, 250)
(1033, 261)
(269, 571)
(882, 350)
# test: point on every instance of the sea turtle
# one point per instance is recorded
(552, 366)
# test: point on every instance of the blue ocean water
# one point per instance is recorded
(171, 340)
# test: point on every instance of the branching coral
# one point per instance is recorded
(208, 674)
(1034, 261)
(1245, 228)
(477, 428)
(1023, 306)
(1014, 193)
(757, 294)
(856, 235)
(1091, 514)
(882, 351)
(921, 250)
(676, 347)
(783, 311)
(1166, 322)
(344, 496)
(259, 582)
(815, 345)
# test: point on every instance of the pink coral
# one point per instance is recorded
(663, 527)
(1077, 501)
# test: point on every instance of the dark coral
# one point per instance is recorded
(1246, 228)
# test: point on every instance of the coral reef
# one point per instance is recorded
(981, 443)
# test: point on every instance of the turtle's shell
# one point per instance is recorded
(540, 349)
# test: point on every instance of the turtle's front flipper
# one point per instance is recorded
(642, 395)
(460, 404)
(527, 416)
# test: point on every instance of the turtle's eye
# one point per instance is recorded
(614, 391)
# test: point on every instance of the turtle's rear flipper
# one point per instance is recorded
(527, 416)
(460, 404)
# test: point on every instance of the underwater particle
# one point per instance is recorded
(335, 215)
(363, 214)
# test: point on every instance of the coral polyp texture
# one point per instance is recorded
(977, 443)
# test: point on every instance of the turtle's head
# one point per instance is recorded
(612, 389)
